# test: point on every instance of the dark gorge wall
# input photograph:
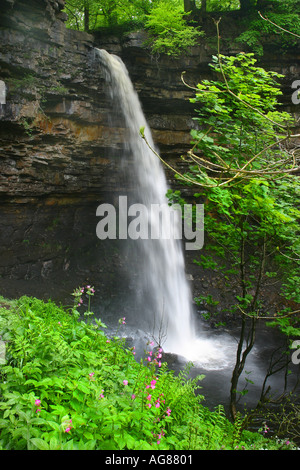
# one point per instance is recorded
(59, 157)
(62, 151)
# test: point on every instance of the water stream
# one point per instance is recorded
(163, 290)
(161, 295)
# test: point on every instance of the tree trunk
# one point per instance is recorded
(203, 7)
(86, 12)
(245, 5)
(189, 5)
(241, 357)
(242, 350)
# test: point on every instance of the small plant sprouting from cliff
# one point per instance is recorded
(28, 81)
(27, 125)
(58, 90)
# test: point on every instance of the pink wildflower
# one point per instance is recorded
(153, 382)
(68, 428)
(125, 382)
(37, 402)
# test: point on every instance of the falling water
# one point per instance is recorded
(163, 293)
(164, 287)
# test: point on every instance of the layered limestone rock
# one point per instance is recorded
(58, 154)
(61, 148)
(61, 154)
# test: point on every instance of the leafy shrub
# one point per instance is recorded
(282, 27)
(66, 385)
(170, 34)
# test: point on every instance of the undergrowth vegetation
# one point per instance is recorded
(66, 385)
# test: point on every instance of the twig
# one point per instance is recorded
(226, 173)
(268, 318)
(231, 92)
(277, 26)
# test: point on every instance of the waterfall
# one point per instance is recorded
(164, 291)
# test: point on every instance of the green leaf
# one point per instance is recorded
(79, 395)
(40, 443)
(88, 435)
(54, 443)
(83, 387)
(130, 441)
(53, 425)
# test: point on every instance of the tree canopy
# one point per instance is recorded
(174, 25)
(92, 14)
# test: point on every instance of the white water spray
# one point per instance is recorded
(165, 281)
(165, 292)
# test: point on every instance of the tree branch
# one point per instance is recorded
(277, 26)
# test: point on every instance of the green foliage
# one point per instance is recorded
(67, 386)
(245, 175)
(164, 20)
(216, 5)
(170, 33)
(91, 15)
(243, 122)
(243, 168)
(284, 14)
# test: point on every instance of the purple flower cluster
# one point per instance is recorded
(154, 357)
(79, 292)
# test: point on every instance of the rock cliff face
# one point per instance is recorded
(60, 153)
